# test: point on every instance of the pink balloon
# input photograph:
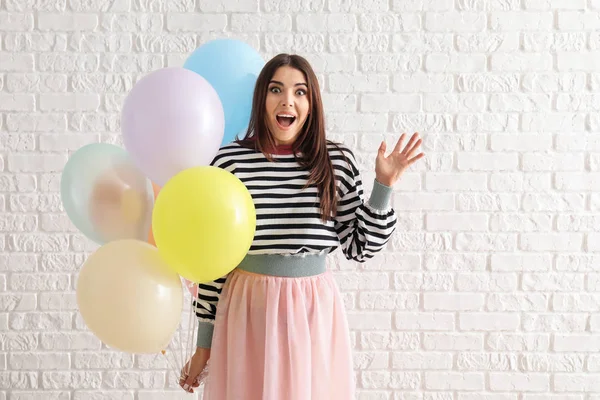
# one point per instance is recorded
(192, 287)
(172, 120)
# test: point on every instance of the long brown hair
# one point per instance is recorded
(310, 147)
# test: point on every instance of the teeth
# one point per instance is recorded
(286, 115)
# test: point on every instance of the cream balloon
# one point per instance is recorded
(129, 298)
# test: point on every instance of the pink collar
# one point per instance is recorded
(283, 149)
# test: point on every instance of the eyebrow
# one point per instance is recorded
(297, 84)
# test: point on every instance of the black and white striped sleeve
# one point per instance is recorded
(205, 303)
(363, 228)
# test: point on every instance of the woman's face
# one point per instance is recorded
(287, 104)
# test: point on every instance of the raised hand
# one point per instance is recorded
(388, 169)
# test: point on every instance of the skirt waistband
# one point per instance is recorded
(289, 266)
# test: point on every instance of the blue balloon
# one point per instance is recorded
(105, 195)
(231, 67)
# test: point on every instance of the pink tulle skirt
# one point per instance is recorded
(280, 338)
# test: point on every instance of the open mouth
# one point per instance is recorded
(285, 120)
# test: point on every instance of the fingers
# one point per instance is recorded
(182, 380)
(382, 148)
(415, 158)
(189, 384)
(413, 139)
(399, 143)
(413, 149)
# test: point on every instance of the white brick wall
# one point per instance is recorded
(490, 290)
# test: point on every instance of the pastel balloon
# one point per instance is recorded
(105, 195)
(172, 119)
(231, 67)
(156, 190)
(204, 222)
(129, 298)
(191, 286)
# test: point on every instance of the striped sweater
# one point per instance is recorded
(288, 214)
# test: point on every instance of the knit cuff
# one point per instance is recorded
(380, 196)
(205, 334)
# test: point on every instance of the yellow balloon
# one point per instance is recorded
(203, 223)
(129, 298)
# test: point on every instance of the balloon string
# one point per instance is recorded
(191, 330)
(181, 344)
(177, 360)
(171, 366)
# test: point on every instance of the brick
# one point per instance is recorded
(556, 42)
(358, 6)
(229, 6)
(498, 302)
(454, 381)
(67, 22)
(521, 62)
(422, 42)
(424, 321)
(371, 360)
(474, 321)
(16, 21)
(455, 22)
(578, 20)
(393, 102)
(486, 362)
(16, 62)
(352, 83)
(455, 63)
(34, 82)
(358, 42)
(427, 83)
(573, 61)
(554, 322)
(464, 222)
(17, 102)
(324, 22)
(453, 302)
(443, 103)
(522, 142)
(34, 41)
(453, 341)
(455, 262)
(35, 5)
(293, 5)
(422, 361)
(487, 202)
(558, 82)
(389, 63)
(71, 380)
(521, 21)
(521, 382)
(371, 320)
(389, 22)
(494, 282)
(487, 42)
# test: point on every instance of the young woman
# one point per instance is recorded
(275, 327)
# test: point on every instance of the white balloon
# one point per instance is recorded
(129, 297)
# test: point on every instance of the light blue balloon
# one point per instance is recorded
(231, 67)
(95, 183)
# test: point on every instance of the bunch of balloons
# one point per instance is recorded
(157, 208)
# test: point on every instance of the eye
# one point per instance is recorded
(301, 92)
(274, 89)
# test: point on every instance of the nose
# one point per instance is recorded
(287, 100)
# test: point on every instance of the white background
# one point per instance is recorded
(490, 289)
